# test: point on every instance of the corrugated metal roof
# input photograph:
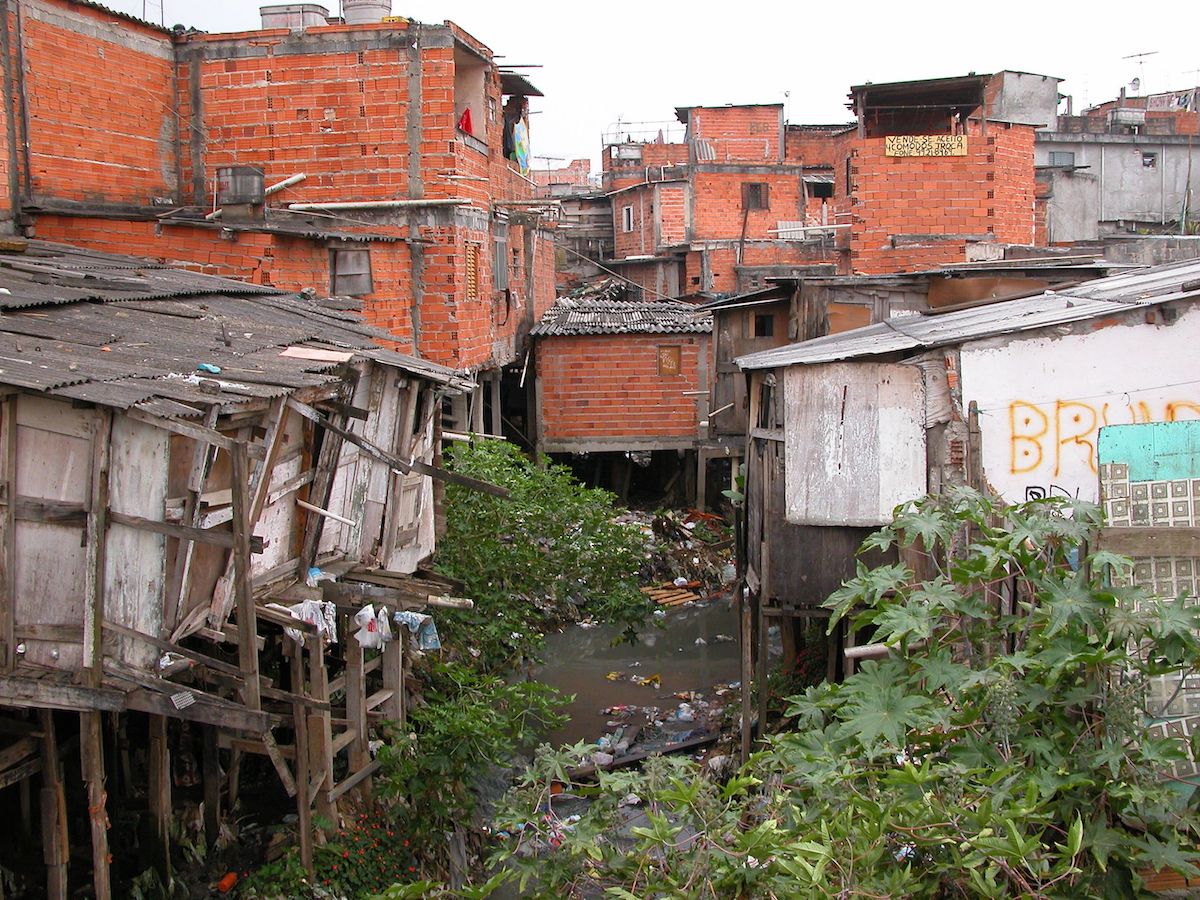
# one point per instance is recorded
(1102, 297)
(603, 308)
(516, 83)
(124, 332)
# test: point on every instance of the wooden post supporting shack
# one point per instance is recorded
(55, 849)
(91, 750)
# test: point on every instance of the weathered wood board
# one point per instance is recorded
(855, 439)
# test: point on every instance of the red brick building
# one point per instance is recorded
(926, 169)
(617, 375)
(393, 139)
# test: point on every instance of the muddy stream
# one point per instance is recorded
(580, 659)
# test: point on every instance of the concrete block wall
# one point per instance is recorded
(609, 386)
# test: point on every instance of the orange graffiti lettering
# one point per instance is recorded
(1027, 424)
(1190, 410)
(1073, 422)
(1073, 427)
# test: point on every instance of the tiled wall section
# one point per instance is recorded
(1174, 503)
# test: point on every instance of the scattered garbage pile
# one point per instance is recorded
(683, 721)
(691, 554)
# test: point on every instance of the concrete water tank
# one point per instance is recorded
(365, 12)
(296, 16)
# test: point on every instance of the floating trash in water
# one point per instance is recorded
(700, 642)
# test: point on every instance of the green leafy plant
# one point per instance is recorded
(469, 721)
(549, 552)
(999, 748)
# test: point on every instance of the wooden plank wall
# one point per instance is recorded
(856, 442)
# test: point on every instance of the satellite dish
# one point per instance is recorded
(1135, 85)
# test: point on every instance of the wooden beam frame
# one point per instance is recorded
(97, 541)
(243, 587)
(8, 545)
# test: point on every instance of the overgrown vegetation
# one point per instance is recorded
(547, 554)
(529, 562)
(469, 722)
(999, 750)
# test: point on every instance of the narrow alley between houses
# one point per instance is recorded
(791, 497)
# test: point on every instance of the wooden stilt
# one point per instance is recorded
(26, 801)
(55, 851)
(211, 770)
(91, 749)
(761, 665)
(320, 739)
(300, 723)
(234, 777)
(356, 705)
(746, 639)
(497, 424)
(159, 791)
(393, 677)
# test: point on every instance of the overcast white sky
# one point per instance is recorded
(637, 61)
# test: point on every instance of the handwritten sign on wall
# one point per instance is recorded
(925, 145)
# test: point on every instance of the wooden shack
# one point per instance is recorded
(182, 459)
(1008, 397)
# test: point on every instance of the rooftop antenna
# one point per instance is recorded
(162, 14)
(1141, 61)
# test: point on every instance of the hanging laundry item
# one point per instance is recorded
(464, 122)
(368, 635)
(322, 616)
(384, 623)
(423, 627)
(520, 134)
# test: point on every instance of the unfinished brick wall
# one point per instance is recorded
(722, 266)
(99, 94)
(738, 133)
(672, 210)
(609, 387)
(576, 172)
(633, 209)
(617, 173)
(339, 117)
(288, 263)
(331, 102)
(814, 146)
(718, 213)
(658, 278)
(913, 213)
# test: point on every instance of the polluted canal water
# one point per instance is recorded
(691, 648)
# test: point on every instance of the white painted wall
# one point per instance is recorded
(1043, 400)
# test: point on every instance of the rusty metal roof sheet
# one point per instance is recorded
(1096, 299)
(124, 332)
